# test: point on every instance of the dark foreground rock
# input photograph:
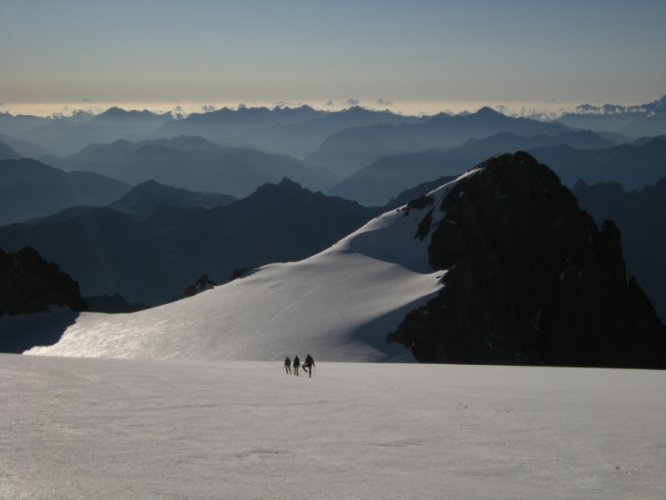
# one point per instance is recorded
(29, 284)
(531, 279)
(37, 301)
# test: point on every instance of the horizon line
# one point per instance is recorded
(422, 108)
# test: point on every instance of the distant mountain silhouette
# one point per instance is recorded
(14, 125)
(641, 120)
(227, 123)
(640, 217)
(194, 163)
(7, 153)
(301, 139)
(24, 148)
(376, 183)
(66, 135)
(632, 165)
(345, 152)
(142, 200)
(153, 260)
(29, 188)
(652, 125)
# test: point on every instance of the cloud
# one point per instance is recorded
(501, 108)
(87, 99)
(206, 108)
(288, 104)
(330, 102)
(383, 102)
(351, 102)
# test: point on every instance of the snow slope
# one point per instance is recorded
(339, 305)
(101, 428)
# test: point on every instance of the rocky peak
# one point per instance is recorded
(287, 183)
(29, 284)
(202, 284)
(531, 279)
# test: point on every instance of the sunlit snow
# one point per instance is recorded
(100, 428)
(339, 304)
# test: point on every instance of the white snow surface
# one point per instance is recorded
(339, 305)
(104, 428)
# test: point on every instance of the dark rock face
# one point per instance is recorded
(640, 217)
(29, 284)
(113, 304)
(531, 280)
(202, 284)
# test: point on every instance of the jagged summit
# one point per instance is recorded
(115, 113)
(287, 183)
(144, 198)
(530, 279)
(499, 265)
(487, 111)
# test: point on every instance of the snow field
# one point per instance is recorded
(341, 303)
(100, 428)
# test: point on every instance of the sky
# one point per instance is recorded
(383, 52)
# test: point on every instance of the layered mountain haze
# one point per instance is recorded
(411, 262)
(7, 153)
(143, 200)
(633, 165)
(196, 164)
(29, 188)
(25, 149)
(66, 135)
(647, 119)
(350, 149)
(573, 156)
(227, 123)
(153, 242)
(301, 139)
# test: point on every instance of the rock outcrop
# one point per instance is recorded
(37, 301)
(29, 284)
(530, 280)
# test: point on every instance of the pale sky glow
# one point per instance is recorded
(141, 51)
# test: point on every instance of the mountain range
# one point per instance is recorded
(148, 247)
(193, 163)
(345, 152)
(301, 139)
(498, 266)
(224, 124)
(634, 165)
(29, 188)
(638, 120)
(144, 199)
(66, 135)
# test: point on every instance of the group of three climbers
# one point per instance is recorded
(308, 365)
